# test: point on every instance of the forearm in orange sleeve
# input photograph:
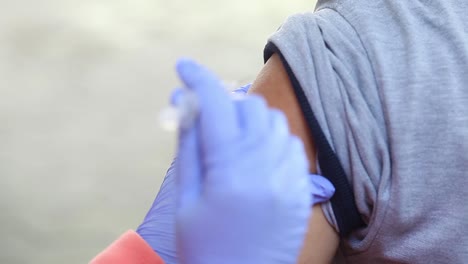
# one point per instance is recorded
(130, 248)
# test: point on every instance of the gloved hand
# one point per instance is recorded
(243, 188)
(158, 227)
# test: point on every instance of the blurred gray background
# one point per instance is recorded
(81, 84)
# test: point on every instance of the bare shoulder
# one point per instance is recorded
(274, 85)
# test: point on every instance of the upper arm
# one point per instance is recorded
(273, 84)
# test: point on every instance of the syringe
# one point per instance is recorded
(185, 108)
(182, 112)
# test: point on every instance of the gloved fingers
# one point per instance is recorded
(217, 114)
(273, 144)
(188, 166)
(242, 90)
(322, 189)
(275, 140)
(253, 116)
(292, 169)
(279, 131)
(279, 124)
(296, 149)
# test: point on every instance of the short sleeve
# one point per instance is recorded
(336, 88)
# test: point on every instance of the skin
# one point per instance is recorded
(272, 83)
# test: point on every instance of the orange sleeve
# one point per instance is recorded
(130, 248)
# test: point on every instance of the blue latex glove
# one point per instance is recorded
(158, 227)
(252, 209)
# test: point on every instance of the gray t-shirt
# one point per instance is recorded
(387, 81)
